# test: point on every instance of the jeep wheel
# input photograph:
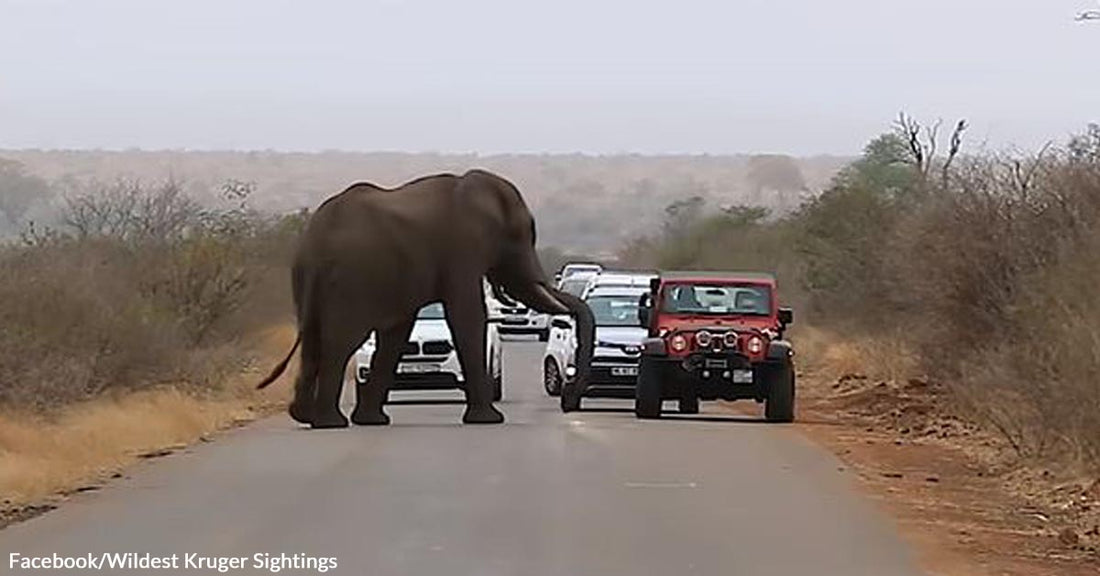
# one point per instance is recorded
(779, 406)
(689, 404)
(551, 378)
(647, 392)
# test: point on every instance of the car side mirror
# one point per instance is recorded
(645, 303)
(786, 316)
(561, 323)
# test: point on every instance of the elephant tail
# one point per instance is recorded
(281, 366)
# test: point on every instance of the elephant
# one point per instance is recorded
(370, 257)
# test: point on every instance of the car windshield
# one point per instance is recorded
(431, 312)
(574, 286)
(717, 299)
(614, 310)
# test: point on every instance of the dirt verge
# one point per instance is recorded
(957, 492)
(45, 459)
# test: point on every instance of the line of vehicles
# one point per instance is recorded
(670, 336)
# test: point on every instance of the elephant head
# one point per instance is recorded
(519, 273)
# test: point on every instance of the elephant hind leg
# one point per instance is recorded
(305, 387)
(339, 338)
(371, 395)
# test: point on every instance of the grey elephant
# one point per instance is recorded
(370, 257)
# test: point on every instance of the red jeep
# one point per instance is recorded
(714, 335)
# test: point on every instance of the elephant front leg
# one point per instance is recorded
(466, 318)
(371, 395)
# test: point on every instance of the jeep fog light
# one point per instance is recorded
(730, 339)
(703, 338)
(756, 345)
(679, 343)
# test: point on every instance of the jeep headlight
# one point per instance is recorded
(678, 343)
(755, 345)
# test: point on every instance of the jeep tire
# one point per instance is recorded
(779, 404)
(647, 392)
(689, 404)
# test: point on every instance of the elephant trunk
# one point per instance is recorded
(551, 301)
(585, 326)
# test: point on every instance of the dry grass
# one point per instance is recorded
(87, 442)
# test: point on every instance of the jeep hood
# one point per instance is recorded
(717, 322)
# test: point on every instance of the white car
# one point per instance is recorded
(520, 319)
(618, 280)
(577, 267)
(617, 349)
(430, 361)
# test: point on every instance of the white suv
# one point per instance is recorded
(617, 348)
(618, 280)
(430, 361)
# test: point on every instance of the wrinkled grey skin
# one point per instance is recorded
(371, 257)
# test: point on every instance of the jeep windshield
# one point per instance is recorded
(717, 299)
(614, 310)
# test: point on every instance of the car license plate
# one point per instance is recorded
(715, 363)
(417, 368)
(515, 321)
(625, 371)
(742, 376)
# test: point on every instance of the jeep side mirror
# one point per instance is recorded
(786, 316)
(645, 302)
(561, 323)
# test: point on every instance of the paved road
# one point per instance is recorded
(596, 493)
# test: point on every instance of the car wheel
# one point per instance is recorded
(551, 377)
(779, 405)
(647, 392)
(689, 404)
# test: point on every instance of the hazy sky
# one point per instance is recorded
(797, 76)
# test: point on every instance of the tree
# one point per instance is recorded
(776, 173)
(19, 191)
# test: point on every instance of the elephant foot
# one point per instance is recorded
(486, 414)
(329, 419)
(300, 413)
(366, 417)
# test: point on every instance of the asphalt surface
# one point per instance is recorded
(592, 493)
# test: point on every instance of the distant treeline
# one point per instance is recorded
(582, 203)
